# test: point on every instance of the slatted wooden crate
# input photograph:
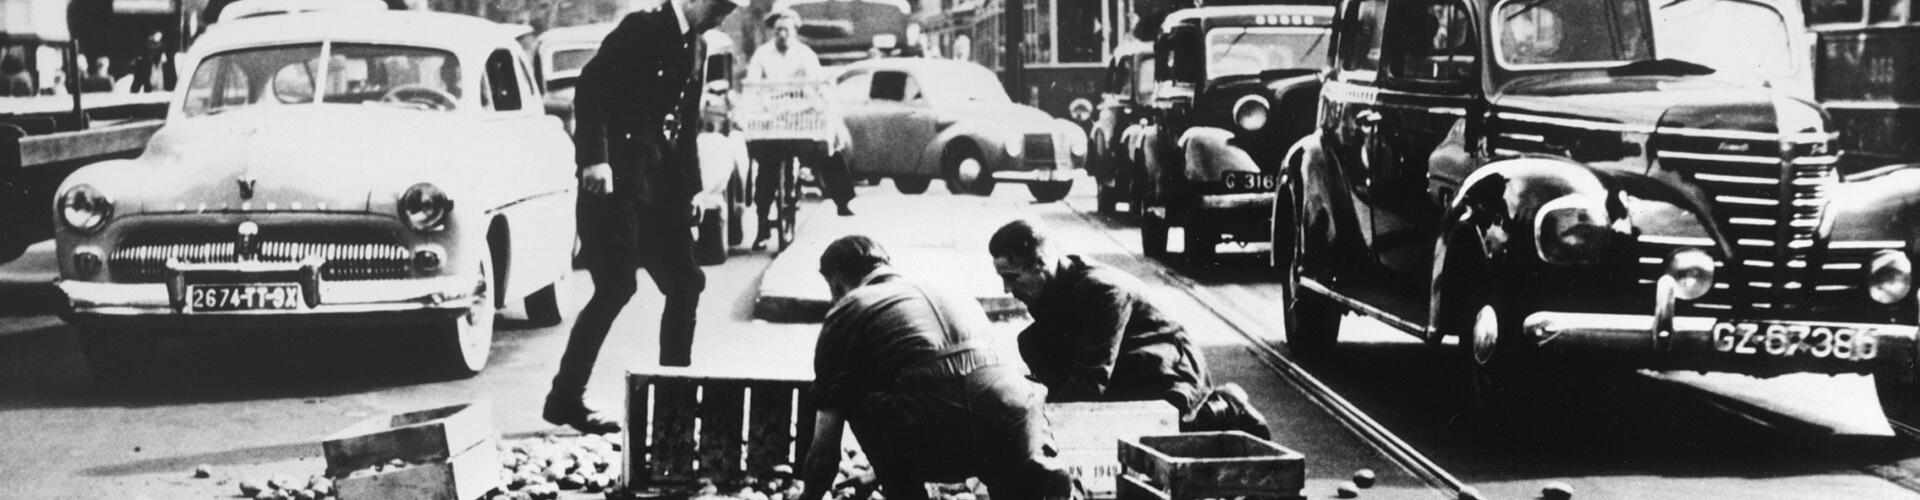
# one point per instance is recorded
(1088, 436)
(686, 424)
(1199, 465)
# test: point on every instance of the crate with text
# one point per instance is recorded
(1088, 435)
(1199, 465)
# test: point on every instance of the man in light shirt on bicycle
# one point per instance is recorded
(785, 57)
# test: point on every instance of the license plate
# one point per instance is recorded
(1795, 339)
(1248, 181)
(210, 298)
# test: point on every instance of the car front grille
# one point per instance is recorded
(1039, 149)
(147, 263)
(1768, 197)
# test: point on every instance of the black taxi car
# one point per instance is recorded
(1233, 85)
(1530, 178)
(1113, 142)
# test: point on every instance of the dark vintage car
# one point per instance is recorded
(1235, 85)
(1544, 188)
(915, 120)
(1113, 144)
(328, 169)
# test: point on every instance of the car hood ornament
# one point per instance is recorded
(247, 185)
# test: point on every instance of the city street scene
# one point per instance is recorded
(959, 249)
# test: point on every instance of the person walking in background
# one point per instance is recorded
(1095, 336)
(637, 112)
(14, 80)
(156, 63)
(907, 366)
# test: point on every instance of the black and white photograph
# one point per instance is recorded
(959, 249)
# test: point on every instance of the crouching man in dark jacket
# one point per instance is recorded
(908, 367)
(1095, 337)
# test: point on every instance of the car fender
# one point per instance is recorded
(1493, 214)
(1309, 171)
(1885, 208)
(980, 134)
(1208, 154)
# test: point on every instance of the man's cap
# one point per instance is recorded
(779, 15)
(735, 3)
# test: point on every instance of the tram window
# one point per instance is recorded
(1834, 11)
(1440, 45)
(1889, 11)
(1361, 44)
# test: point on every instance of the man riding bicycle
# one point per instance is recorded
(785, 58)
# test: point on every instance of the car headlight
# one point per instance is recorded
(1250, 113)
(85, 208)
(1692, 272)
(1081, 109)
(1892, 277)
(1572, 230)
(1016, 143)
(425, 207)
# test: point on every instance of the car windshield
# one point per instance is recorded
(1728, 35)
(354, 74)
(960, 88)
(1249, 51)
(1571, 33)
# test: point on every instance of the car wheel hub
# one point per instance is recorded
(1486, 333)
(969, 170)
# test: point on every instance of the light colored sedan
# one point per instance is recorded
(328, 169)
(915, 120)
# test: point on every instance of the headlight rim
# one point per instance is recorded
(424, 192)
(1265, 113)
(104, 208)
(1885, 259)
(1693, 272)
(1594, 207)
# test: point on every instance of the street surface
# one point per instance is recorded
(258, 404)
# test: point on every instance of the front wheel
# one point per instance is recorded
(1049, 192)
(966, 173)
(118, 358)
(1312, 320)
(1153, 234)
(1200, 241)
(459, 347)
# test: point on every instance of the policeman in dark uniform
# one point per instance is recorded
(637, 118)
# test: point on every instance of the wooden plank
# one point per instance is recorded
(414, 437)
(466, 475)
(803, 427)
(721, 406)
(672, 450)
(769, 428)
(95, 142)
(634, 451)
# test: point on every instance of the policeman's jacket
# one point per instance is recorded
(646, 71)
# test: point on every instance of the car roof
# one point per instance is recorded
(912, 65)
(422, 28)
(1251, 15)
(585, 33)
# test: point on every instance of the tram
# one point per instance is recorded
(1061, 54)
(1867, 55)
(843, 31)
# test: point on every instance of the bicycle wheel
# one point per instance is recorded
(789, 201)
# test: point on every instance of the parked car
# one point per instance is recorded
(915, 120)
(1234, 85)
(1566, 211)
(558, 55)
(1112, 143)
(327, 169)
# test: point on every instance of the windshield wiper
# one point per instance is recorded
(1670, 67)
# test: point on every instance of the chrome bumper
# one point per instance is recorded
(440, 294)
(1692, 342)
(1054, 175)
(1236, 200)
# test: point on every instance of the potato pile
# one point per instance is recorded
(287, 488)
(539, 468)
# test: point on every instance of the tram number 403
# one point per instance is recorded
(1776, 339)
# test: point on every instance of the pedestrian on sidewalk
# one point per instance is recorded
(639, 170)
(907, 366)
(1096, 337)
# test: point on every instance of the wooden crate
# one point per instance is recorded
(466, 475)
(1209, 465)
(685, 424)
(1088, 436)
(413, 437)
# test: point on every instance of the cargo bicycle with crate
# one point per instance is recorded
(788, 121)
